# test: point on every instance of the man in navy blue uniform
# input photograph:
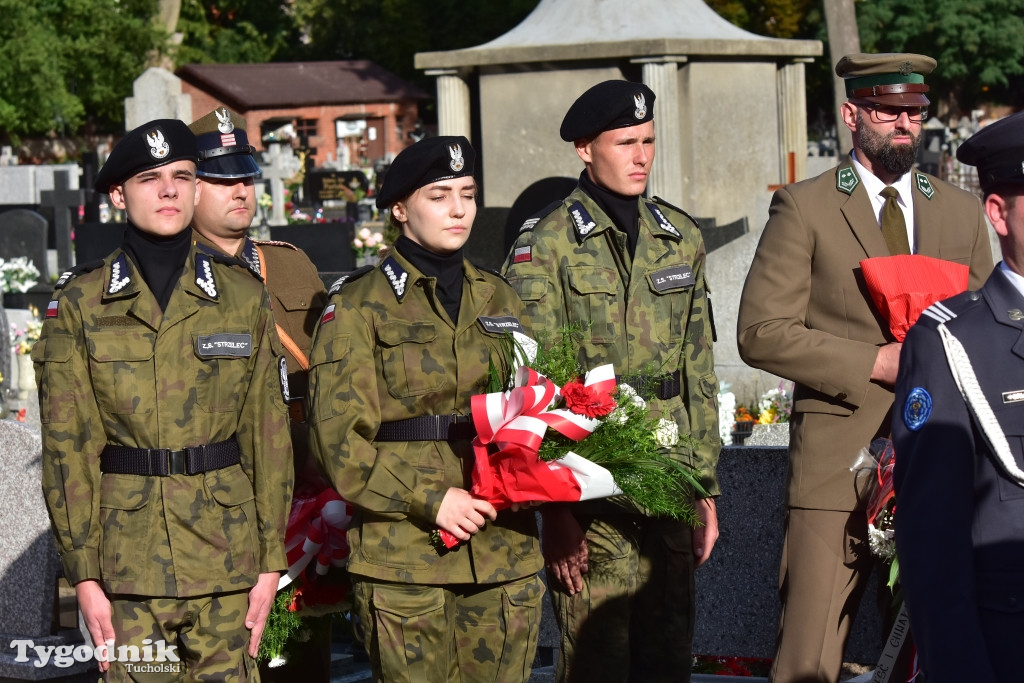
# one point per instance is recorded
(958, 423)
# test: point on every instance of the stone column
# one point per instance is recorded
(792, 119)
(453, 112)
(661, 74)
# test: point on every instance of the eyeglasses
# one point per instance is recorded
(887, 113)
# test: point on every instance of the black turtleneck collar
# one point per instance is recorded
(445, 268)
(622, 209)
(159, 259)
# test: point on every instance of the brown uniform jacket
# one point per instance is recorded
(805, 315)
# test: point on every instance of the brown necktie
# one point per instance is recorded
(894, 227)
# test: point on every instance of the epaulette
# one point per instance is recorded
(532, 221)
(276, 243)
(693, 220)
(68, 275)
(220, 257)
(949, 309)
(492, 271)
(346, 278)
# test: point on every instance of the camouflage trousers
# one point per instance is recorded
(466, 632)
(633, 620)
(209, 633)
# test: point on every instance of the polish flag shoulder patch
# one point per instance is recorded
(522, 255)
(328, 315)
(51, 309)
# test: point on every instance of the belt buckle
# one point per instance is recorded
(175, 462)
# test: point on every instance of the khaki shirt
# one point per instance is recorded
(113, 369)
(385, 350)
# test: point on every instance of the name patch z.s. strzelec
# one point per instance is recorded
(224, 344)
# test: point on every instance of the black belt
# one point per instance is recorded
(162, 462)
(663, 387)
(428, 428)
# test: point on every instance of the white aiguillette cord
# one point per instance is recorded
(963, 373)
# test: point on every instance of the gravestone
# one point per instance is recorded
(5, 356)
(157, 95)
(486, 244)
(97, 240)
(28, 560)
(335, 185)
(23, 233)
(63, 199)
(23, 185)
(279, 164)
(328, 245)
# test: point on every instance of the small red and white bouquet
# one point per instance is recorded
(561, 435)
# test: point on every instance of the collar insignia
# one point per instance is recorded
(457, 162)
(924, 185)
(204, 275)
(582, 220)
(847, 180)
(663, 222)
(396, 276)
(282, 365)
(117, 268)
(224, 124)
(641, 106)
(158, 147)
(1015, 314)
(252, 257)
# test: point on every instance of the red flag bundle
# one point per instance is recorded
(903, 286)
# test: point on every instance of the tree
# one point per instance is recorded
(69, 63)
(979, 44)
(235, 31)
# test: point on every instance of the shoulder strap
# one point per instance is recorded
(286, 338)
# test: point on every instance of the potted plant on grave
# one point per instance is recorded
(17, 276)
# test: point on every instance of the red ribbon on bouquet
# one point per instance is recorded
(510, 427)
(903, 286)
(316, 530)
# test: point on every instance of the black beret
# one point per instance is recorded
(998, 152)
(149, 146)
(224, 149)
(606, 106)
(889, 78)
(426, 162)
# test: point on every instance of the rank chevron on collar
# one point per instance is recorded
(204, 275)
(396, 274)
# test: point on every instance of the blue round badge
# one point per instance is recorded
(917, 409)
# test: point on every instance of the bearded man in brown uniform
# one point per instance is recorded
(227, 172)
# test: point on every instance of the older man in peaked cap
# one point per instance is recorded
(960, 463)
(805, 315)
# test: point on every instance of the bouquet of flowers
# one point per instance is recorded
(776, 405)
(602, 441)
(18, 274)
(367, 243)
(317, 583)
(23, 339)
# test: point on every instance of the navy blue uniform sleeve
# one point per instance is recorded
(934, 480)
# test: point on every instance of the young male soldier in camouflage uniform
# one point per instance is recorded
(166, 458)
(399, 352)
(227, 205)
(630, 273)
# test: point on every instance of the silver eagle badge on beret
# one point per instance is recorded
(158, 147)
(458, 162)
(641, 106)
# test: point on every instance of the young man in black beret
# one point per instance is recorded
(166, 457)
(956, 429)
(629, 273)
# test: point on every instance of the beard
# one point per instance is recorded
(896, 159)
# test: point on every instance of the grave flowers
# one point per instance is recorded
(18, 275)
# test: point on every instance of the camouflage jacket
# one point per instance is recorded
(113, 369)
(385, 350)
(571, 266)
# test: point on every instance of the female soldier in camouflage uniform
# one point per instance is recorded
(398, 353)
